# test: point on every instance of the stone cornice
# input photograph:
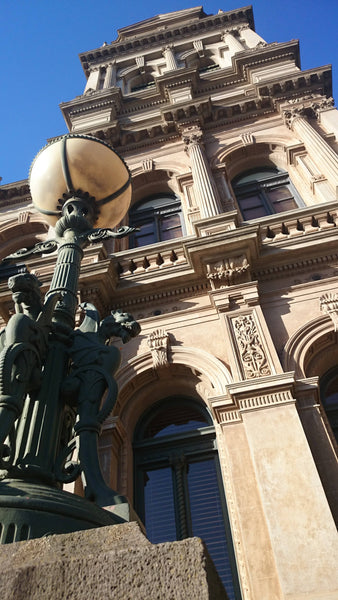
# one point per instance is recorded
(294, 267)
(306, 105)
(276, 51)
(251, 395)
(140, 300)
(14, 193)
(210, 116)
(94, 101)
(267, 99)
(179, 269)
(159, 38)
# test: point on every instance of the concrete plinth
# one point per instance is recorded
(115, 562)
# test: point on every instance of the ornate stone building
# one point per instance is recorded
(227, 414)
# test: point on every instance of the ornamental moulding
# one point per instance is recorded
(88, 107)
(139, 371)
(299, 266)
(266, 400)
(254, 402)
(179, 293)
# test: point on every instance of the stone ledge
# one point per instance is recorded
(115, 562)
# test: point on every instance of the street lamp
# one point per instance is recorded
(52, 377)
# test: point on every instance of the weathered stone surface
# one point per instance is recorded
(106, 563)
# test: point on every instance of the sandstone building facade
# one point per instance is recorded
(227, 420)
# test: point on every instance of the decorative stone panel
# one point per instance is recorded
(251, 351)
(158, 342)
(228, 271)
(250, 347)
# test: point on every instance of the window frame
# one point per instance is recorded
(155, 214)
(195, 446)
(331, 411)
(260, 187)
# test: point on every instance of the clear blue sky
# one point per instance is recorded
(40, 42)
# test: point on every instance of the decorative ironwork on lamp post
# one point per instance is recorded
(53, 377)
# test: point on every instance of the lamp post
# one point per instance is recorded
(52, 377)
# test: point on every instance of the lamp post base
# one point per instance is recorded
(31, 510)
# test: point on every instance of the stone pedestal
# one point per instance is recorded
(115, 562)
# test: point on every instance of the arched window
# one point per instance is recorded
(142, 81)
(178, 487)
(265, 191)
(158, 218)
(329, 397)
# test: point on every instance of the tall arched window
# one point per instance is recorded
(158, 218)
(178, 486)
(265, 191)
(329, 397)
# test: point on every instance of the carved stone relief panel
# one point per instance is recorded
(228, 271)
(253, 358)
(158, 342)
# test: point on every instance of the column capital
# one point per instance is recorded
(192, 136)
(308, 106)
(291, 113)
(167, 47)
(229, 31)
(322, 104)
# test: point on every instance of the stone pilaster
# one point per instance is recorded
(251, 38)
(227, 200)
(205, 188)
(327, 115)
(302, 531)
(169, 55)
(93, 80)
(252, 353)
(326, 157)
(110, 78)
(232, 42)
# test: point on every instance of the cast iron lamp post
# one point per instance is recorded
(52, 377)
